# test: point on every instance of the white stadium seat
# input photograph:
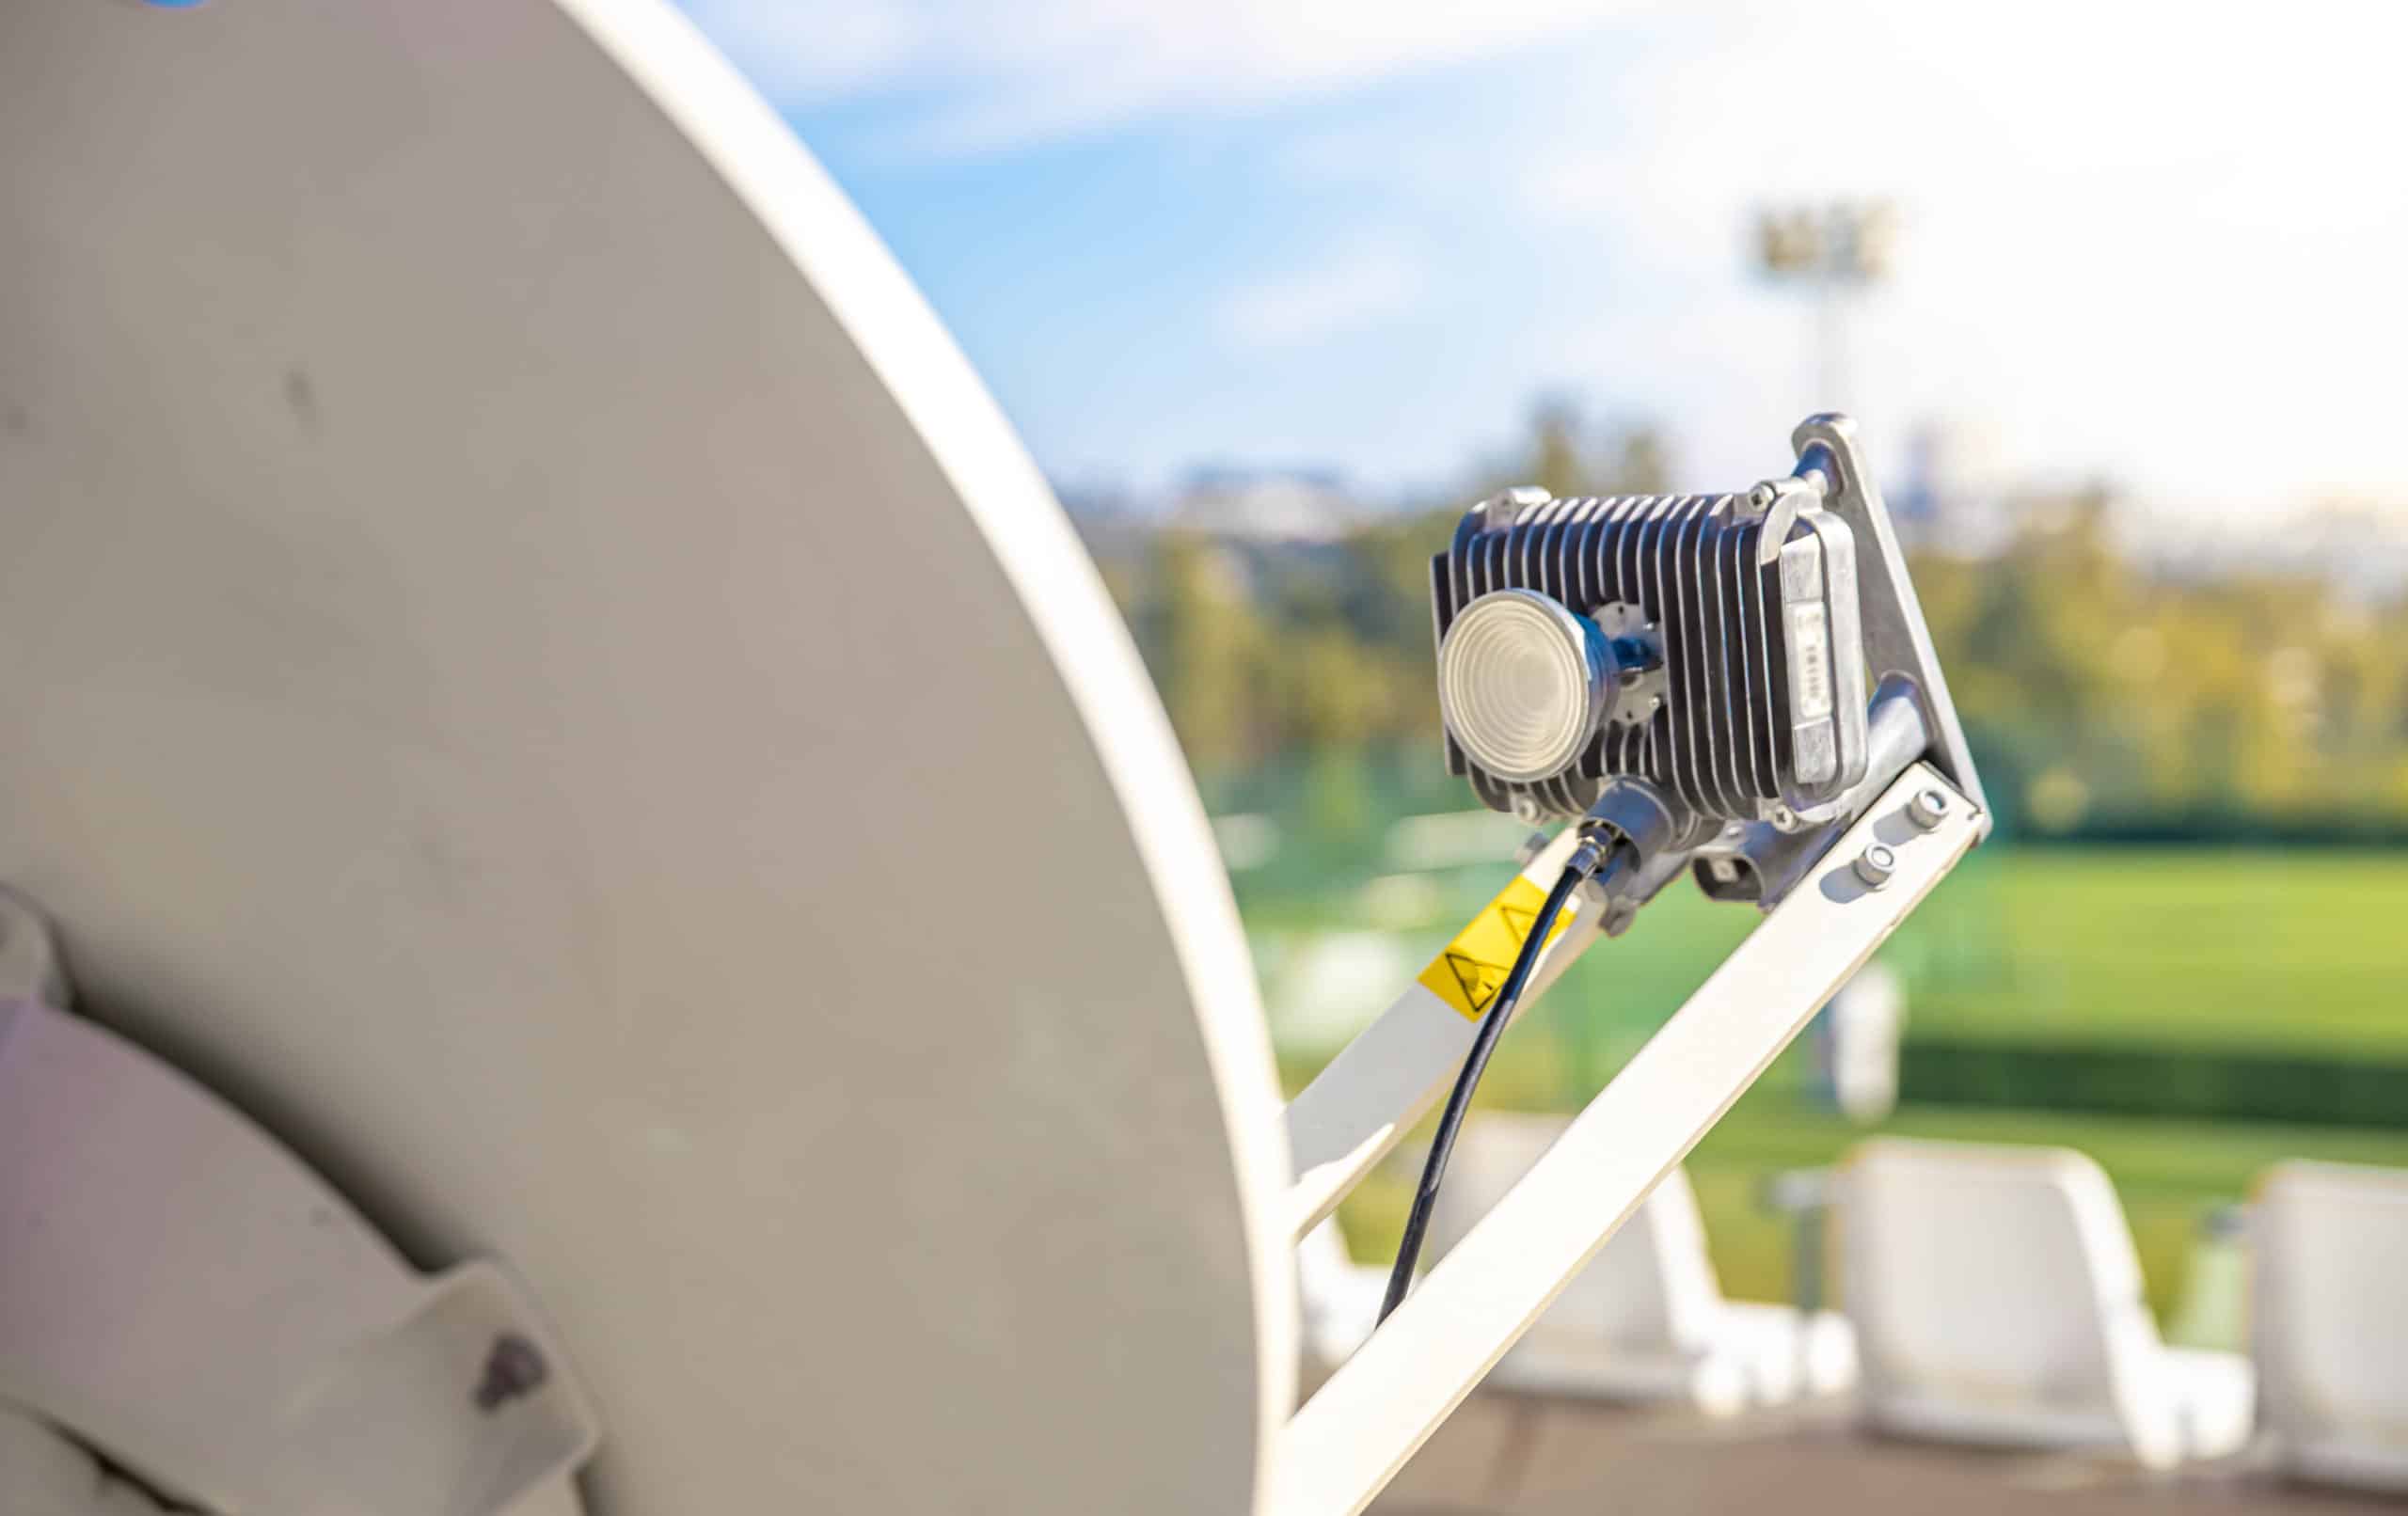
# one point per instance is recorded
(1646, 1320)
(1997, 1300)
(2329, 1312)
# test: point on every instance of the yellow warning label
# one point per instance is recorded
(1472, 969)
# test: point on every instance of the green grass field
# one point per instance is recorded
(2283, 952)
(2298, 952)
(2288, 950)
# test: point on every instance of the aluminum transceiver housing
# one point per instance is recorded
(1708, 644)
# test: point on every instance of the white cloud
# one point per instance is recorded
(1002, 72)
(2161, 253)
(816, 52)
(1354, 287)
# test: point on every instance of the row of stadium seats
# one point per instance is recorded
(1992, 1295)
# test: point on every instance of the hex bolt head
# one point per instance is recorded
(513, 1368)
(1874, 865)
(1928, 809)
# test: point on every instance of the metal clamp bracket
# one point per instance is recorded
(1897, 640)
(184, 1295)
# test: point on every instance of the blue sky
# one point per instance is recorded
(2139, 243)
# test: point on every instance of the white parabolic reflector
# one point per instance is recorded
(532, 666)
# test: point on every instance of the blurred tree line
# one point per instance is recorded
(2102, 701)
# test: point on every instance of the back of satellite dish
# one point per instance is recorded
(491, 823)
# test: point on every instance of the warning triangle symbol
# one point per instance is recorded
(1479, 981)
(1518, 922)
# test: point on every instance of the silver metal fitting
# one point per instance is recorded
(1929, 808)
(1874, 865)
(1635, 814)
(1588, 858)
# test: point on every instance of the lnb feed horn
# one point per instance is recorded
(1723, 648)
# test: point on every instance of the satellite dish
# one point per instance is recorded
(535, 670)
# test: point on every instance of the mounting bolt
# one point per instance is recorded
(1505, 507)
(1532, 845)
(1874, 865)
(1928, 809)
(513, 1368)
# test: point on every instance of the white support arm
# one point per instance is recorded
(1370, 1095)
(1351, 1439)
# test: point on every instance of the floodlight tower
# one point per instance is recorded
(1831, 251)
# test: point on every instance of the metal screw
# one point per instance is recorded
(1874, 865)
(1928, 809)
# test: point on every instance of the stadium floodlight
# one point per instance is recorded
(1831, 251)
